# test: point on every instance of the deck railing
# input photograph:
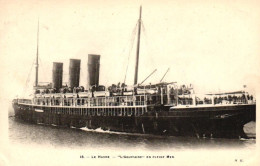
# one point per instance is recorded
(25, 101)
(138, 100)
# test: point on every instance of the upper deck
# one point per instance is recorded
(119, 101)
(159, 95)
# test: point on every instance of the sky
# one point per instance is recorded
(213, 45)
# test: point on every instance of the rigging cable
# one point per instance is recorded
(146, 42)
(27, 80)
(44, 69)
(131, 48)
(124, 50)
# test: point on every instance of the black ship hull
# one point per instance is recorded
(218, 121)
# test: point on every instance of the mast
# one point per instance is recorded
(138, 47)
(37, 56)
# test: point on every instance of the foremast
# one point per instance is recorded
(138, 46)
(37, 57)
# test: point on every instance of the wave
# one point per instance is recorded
(100, 130)
(247, 139)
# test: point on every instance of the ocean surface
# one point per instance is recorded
(39, 143)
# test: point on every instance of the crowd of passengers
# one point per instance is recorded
(217, 100)
(119, 88)
(112, 88)
(233, 99)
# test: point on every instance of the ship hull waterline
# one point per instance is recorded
(210, 122)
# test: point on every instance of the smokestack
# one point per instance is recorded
(93, 69)
(57, 72)
(74, 73)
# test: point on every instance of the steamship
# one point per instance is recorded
(164, 108)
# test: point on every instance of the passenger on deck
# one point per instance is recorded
(251, 97)
(82, 89)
